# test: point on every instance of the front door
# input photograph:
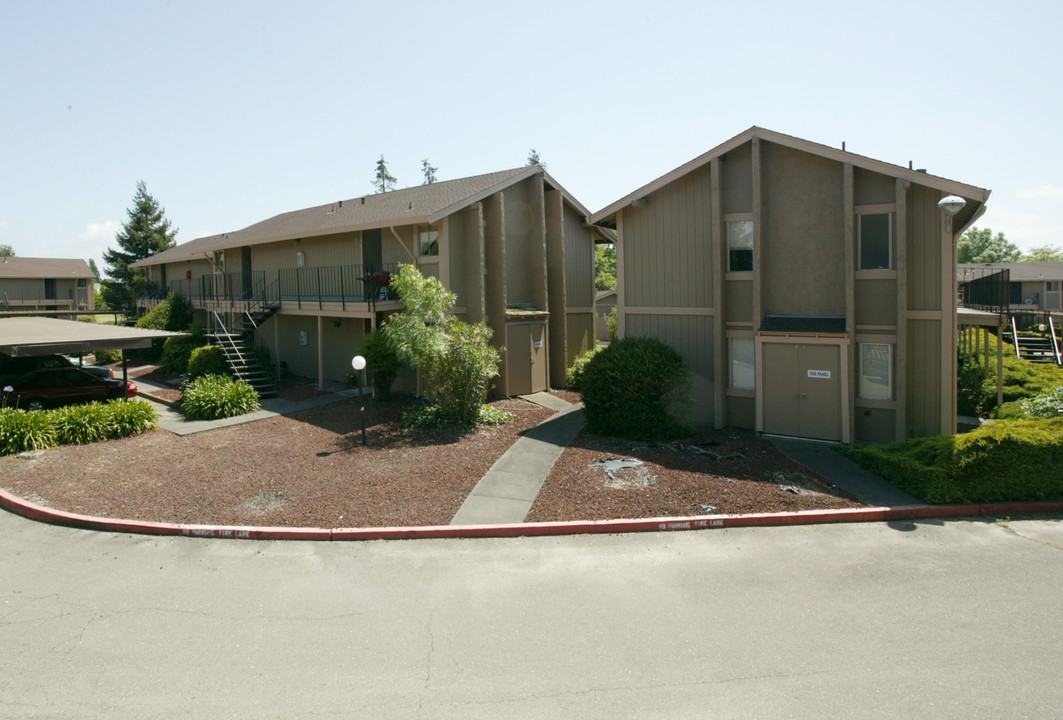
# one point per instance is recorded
(802, 390)
(526, 358)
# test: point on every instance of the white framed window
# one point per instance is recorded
(875, 241)
(429, 241)
(743, 374)
(739, 245)
(876, 371)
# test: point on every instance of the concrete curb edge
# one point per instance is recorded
(29, 510)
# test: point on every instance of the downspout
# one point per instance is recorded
(413, 258)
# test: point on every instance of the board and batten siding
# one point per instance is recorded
(923, 401)
(692, 337)
(803, 240)
(668, 246)
(924, 249)
(327, 251)
(579, 260)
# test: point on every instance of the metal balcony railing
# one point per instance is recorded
(336, 284)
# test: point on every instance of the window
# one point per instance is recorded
(876, 371)
(874, 238)
(1051, 286)
(429, 241)
(740, 246)
(743, 371)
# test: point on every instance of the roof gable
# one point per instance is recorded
(950, 186)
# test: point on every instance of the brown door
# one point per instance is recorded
(802, 390)
(526, 358)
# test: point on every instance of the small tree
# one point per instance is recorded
(383, 181)
(383, 362)
(146, 233)
(95, 270)
(429, 172)
(455, 358)
(1045, 253)
(605, 267)
(7, 251)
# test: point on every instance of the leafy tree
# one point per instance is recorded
(95, 270)
(384, 180)
(534, 159)
(605, 267)
(7, 251)
(146, 233)
(455, 358)
(1045, 253)
(429, 172)
(981, 246)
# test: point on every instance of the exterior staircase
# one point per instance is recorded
(238, 346)
(1039, 349)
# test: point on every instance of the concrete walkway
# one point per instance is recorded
(174, 421)
(824, 460)
(506, 493)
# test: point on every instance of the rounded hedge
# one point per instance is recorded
(206, 360)
(637, 388)
(212, 397)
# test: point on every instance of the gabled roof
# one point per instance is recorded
(422, 204)
(970, 192)
(53, 268)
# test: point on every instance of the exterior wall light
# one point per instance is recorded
(950, 206)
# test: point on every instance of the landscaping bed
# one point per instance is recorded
(311, 470)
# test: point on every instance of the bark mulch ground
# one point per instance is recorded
(311, 470)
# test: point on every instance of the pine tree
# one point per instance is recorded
(95, 270)
(384, 180)
(429, 172)
(147, 232)
(534, 159)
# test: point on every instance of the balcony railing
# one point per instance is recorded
(336, 284)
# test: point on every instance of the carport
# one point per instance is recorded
(48, 336)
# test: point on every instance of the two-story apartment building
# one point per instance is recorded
(811, 290)
(515, 247)
(46, 284)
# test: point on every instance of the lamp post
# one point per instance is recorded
(358, 363)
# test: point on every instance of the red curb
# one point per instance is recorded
(18, 506)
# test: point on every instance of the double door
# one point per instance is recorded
(802, 390)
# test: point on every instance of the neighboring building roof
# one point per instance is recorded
(1018, 271)
(965, 218)
(602, 295)
(43, 336)
(422, 204)
(55, 268)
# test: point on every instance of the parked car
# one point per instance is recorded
(62, 386)
(12, 368)
(97, 370)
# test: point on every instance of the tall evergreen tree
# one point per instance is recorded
(95, 270)
(429, 172)
(383, 180)
(147, 232)
(534, 159)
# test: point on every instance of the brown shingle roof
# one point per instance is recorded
(55, 268)
(421, 204)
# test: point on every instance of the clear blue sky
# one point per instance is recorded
(232, 112)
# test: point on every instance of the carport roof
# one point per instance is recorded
(43, 336)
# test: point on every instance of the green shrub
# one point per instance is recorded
(103, 357)
(382, 362)
(22, 430)
(637, 388)
(81, 424)
(612, 321)
(575, 373)
(173, 314)
(131, 417)
(176, 352)
(1002, 461)
(211, 397)
(1022, 379)
(206, 360)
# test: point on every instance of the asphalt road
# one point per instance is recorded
(956, 619)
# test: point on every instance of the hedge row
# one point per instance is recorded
(1002, 461)
(22, 430)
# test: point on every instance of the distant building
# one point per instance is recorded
(46, 284)
(1032, 286)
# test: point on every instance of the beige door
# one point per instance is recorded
(802, 390)
(526, 358)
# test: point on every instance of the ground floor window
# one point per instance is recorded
(743, 368)
(876, 371)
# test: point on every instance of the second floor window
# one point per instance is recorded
(875, 241)
(429, 241)
(740, 246)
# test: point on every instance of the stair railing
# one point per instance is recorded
(1015, 337)
(229, 346)
(1055, 341)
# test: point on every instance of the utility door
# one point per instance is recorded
(802, 390)
(526, 358)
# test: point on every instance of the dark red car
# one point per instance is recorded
(62, 386)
